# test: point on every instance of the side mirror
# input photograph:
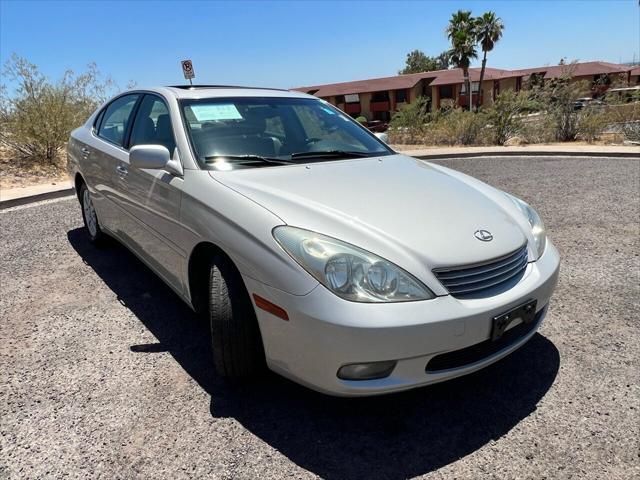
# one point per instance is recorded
(149, 156)
(154, 157)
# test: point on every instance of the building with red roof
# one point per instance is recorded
(378, 98)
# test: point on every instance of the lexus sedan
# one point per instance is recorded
(309, 245)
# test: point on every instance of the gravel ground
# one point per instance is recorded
(105, 373)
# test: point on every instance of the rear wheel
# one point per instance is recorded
(235, 335)
(89, 216)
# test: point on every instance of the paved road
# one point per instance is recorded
(105, 373)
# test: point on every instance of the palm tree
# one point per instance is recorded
(461, 32)
(488, 29)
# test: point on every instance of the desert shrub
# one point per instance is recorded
(556, 97)
(457, 127)
(408, 124)
(625, 118)
(35, 121)
(591, 122)
(505, 116)
(537, 128)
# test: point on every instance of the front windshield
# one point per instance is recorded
(243, 132)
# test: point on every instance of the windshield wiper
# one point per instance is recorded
(249, 158)
(331, 154)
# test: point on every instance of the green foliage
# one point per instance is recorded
(411, 115)
(417, 62)
(488, 28)
(462, 34)
(556, 97)
(456, 127)
(408, 124)
(36, 120)
(362, 119)
(591, 121)
(505, 114)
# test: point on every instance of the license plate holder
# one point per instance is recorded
(526, 312)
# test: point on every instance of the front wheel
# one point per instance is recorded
(89, 216)
(235, 335)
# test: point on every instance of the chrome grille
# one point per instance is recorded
(474, 280)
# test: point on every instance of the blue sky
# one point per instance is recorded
(287, 44)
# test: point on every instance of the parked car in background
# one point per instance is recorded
(307, 243)
(581, 103)
(377, 126)
(384, 136)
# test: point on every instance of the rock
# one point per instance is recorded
(515, 142)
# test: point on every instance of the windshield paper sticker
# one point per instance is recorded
(222, 111)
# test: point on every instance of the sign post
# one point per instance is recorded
(187, 70)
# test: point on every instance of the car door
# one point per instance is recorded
(100, 151)
(151, 198)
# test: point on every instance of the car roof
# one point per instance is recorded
(219, 91)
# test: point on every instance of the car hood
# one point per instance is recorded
(415, 214)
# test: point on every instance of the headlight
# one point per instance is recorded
(537, 227)
(350, 272)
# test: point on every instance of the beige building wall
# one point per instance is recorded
(487, 92)
(365, 102)
(508, 84)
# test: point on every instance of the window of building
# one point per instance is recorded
(339, 99)
(352, 98)
(475, 86)
(152, 125)
(445, 91)
(401, 96)
(116, 119)
(382, 96)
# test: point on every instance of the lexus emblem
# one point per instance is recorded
(483, 235)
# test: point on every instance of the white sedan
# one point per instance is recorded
(310, 246)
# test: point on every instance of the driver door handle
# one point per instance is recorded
(122, 170)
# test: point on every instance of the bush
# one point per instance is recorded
(556, 97)
(408, 124)
(591, 122)
(36, 121)
(457, 127)
(625, 118)
(362, 120)
(505, 116)
(538, 128)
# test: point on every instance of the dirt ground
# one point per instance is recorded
(107, 374)
(16, 172)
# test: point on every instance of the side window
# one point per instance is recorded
(116, 119)
(152, 125)
(96, 124)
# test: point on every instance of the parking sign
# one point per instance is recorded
(187, 69)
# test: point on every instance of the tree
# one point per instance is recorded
(461, 33)
(417, 62)
(488, 29)
(35, 121)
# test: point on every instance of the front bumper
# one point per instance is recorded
(325, 332)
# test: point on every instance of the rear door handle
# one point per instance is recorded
(122, 170)
(85, 152)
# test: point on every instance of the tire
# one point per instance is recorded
(235, 336)
(89, 216)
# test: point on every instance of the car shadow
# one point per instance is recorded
(394, 436)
